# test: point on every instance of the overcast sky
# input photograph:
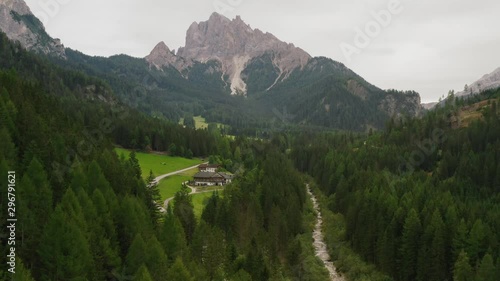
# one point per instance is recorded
(429, 46)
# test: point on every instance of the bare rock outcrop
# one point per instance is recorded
(162, 56)
(19, 24)
(487, 82)
(233, 43)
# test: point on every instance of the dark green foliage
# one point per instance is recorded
(68, 256)
(183, 210)
(179, 272)
(462, 271)
(142, 274)
(189, 122)
(486, 270)
(81, 207)
(172, 236)
(420, 200)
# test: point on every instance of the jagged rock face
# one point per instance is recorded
(234, 43)
(487, 82)
(14, 15)
(162, 56)
(396, 105)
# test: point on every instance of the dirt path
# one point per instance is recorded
(159, 178)
(319, 243)
(193, 190)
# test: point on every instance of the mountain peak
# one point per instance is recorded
(19, 24)
(234, 44)
(162, 56)
(161, 48)
(216, 16)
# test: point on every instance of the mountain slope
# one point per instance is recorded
(17, 21)
(257, 65)
(487, 82)
(231, 74)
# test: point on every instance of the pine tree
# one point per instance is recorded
(104, 254)
(133, 219)
(412, 230)
(486, 270)
(477, 241)
(153, 197)
(7, 147)
(172, 236)
(105, 216)
(462, 271)
(64, 251)
(142, 274)
(134, 163)
(179, 272)
(460, 239)
(156, 260)
(35, 207)
(209, 213)
(214, 251)
(183, 210)
(437, 259)
(136, 256)
(22, 273)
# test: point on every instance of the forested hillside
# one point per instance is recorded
(86, 214)
(421, 200)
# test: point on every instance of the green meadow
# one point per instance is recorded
(201, 123)
(169, 186)
(159, 164)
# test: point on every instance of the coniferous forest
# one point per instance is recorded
(84, 213)
(419, 200)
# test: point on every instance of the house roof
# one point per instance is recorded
(206, 175)
(227, 176)
(208, 166)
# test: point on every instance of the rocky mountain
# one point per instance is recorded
(259, 66)
(228, 73)
(19, 24)
(487, 82)
(234, 44)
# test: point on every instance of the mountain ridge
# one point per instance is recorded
(233, 43)
(486, 82)
(19, 24)
(224, 60)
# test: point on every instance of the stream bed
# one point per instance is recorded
(319, 243)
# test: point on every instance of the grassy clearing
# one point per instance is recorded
(169, 186)
(159, 164)
(474, 112)
(201, 123)
(200, 200)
